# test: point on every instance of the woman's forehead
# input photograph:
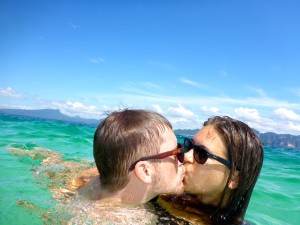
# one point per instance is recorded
(206, 133)
(211, 139)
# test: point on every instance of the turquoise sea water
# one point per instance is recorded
(24, 196)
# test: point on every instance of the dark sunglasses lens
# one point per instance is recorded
(200, 154)
(188, 145)
(180, 157)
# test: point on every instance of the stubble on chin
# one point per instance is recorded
(163, 187)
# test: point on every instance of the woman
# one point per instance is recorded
(223, 162)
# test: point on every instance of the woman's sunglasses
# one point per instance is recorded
(201, 154)
(178, 152)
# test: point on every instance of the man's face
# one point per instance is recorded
(169, 172)
(207, 180)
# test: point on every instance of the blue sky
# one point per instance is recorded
(187, 60)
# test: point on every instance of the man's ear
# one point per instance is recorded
(143, 171)
(234, 181)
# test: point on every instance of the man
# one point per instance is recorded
(138, 158)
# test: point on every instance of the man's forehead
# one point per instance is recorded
(169, 138)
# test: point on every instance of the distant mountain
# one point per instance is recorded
(53, 114)
(280, 140)
(268, 139)
(186, 132)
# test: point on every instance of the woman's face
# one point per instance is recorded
(207, 180)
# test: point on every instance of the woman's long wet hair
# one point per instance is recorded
(246, 154)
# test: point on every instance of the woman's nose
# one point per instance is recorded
(188, 157)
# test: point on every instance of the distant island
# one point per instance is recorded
(268, 139)
(50, 114)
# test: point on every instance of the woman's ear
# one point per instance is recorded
(234, 181)
(143, 171)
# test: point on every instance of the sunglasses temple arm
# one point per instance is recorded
(223, 161)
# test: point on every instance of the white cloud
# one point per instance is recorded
(290, 126)
(13, 106)
(9, 92)
(286, 114)
(210, 111)
(280, 127)
(97, 60)
(158, 109)
(79, 106)
(179, 110)
(247, 114)
(78, 109)
(182, 118)
(255, 120)
(190, 82)
(266, 124)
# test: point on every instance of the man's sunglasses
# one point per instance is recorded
(201, 154)
(178, 152)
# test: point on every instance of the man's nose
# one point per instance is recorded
(188, 157)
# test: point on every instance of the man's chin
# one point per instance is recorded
(179, 190)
